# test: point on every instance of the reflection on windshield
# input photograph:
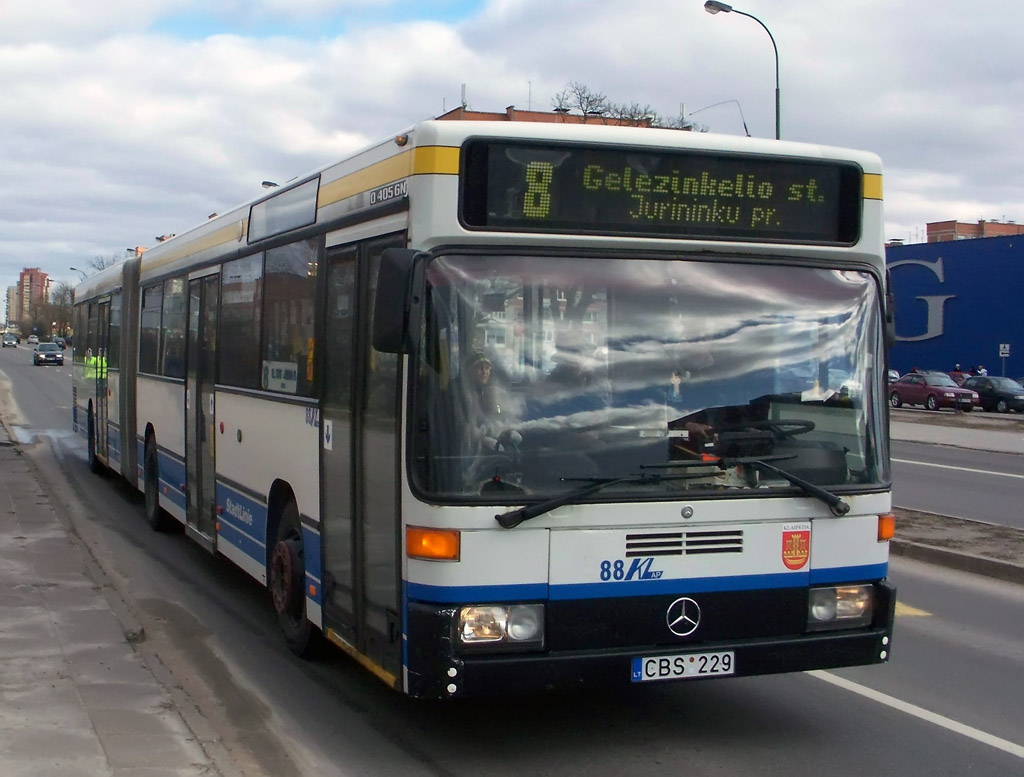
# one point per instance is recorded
(537, 373)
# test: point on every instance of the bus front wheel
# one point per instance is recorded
(286, 580)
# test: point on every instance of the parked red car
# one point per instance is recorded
(934, 390)
(959, 376)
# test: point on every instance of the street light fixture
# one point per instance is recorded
(713, 7)
(84, 274)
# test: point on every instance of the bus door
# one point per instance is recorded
(359, 465)
(100, 368)
(200, 375)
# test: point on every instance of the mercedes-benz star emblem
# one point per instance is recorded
(683, 616)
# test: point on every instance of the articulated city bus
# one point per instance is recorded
(504, 407)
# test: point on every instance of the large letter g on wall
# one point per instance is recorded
(935, 304)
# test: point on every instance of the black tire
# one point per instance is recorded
(286, 580)
(1002, 405)
(894, 400)
(157, 518)
(931, 403)
(95, 466)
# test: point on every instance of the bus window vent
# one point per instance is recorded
(714, 542)
(663, 544)
(684, 543)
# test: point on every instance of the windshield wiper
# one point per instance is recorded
(836, 505)
(513, 518)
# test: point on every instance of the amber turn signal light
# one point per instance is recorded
(432, 544)
(886, 527)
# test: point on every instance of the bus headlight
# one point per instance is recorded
(839, 607)
(504, 624)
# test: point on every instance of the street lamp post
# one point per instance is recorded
(84, 274)
(713, 7)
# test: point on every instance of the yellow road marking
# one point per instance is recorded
(906, 609)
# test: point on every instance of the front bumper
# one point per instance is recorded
(444, 673)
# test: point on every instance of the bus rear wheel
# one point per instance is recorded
(286, 581)
(156, 517)
(94, 463)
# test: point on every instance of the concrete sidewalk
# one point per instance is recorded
(76, 699)
(961, 431)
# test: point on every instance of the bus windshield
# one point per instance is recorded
(538, 374)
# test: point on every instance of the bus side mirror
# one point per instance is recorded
(394, 300)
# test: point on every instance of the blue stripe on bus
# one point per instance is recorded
(311, 548)
(251, 547)
(171, 474)
(113, 444)
(677, 585)
(476, 593)
(522, 592)
(243, 514)
(847, 574)
(527, 591)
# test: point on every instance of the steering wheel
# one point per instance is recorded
(781, 430)
(496, 456)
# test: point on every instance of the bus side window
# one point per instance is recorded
(289, 292)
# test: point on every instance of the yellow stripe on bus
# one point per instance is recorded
(424, 160)
(234, 232)
(872, 186)
(364, 661)
(436, 160)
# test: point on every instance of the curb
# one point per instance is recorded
(964, 562)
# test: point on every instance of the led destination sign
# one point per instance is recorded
(683, 194)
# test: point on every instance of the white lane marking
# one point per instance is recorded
(919, 712)
(960, 469)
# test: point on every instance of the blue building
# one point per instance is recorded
(959, 302)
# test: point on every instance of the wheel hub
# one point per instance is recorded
(284, 564)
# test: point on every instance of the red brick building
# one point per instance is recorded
(33, 287)
(941, 231)
(551, 117)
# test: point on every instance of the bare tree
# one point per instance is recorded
(634, 113)
(680, 122)
(560, 102)
(579, 99)
(52, 315)
(98, 263)
(582, 99)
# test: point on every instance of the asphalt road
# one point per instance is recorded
(947, 703)
(963, 483)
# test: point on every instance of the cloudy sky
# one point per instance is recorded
(121, 120)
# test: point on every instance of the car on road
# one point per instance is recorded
(61, 342)
(33, 339)
(996, 393)
(10, 341)
(47, 353)
(934, 390)
(893, 374)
